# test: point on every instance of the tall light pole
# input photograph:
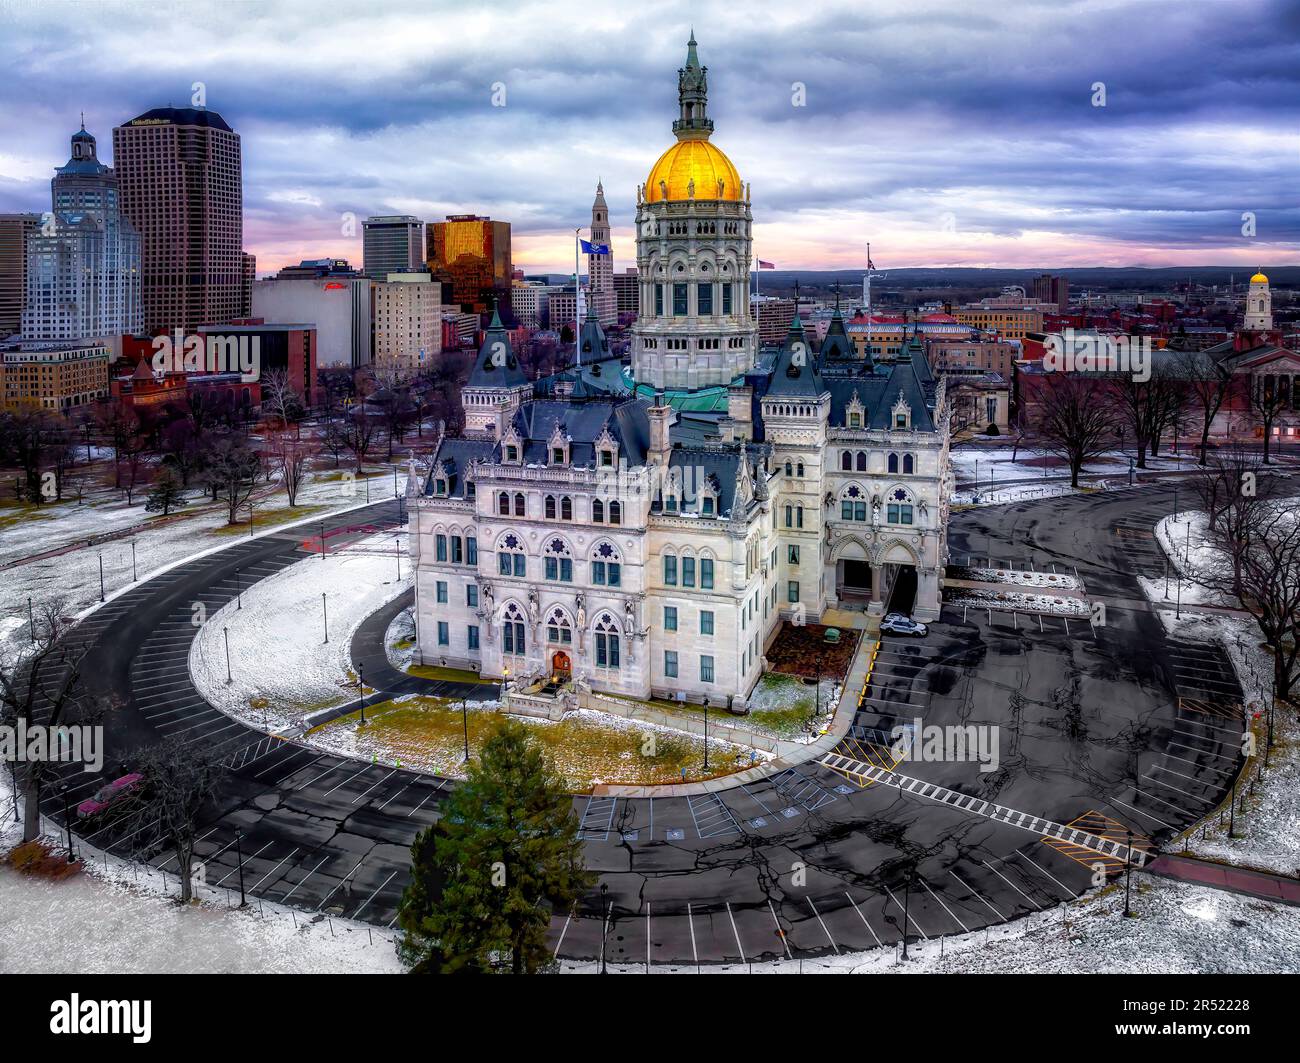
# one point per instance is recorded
(135, 575)
(325, 616)
(101, 575)
(361, 685)
(239, 851)
(604, 925)
(1128, 876)
(464, 714)
(706, 734)
(225, 633)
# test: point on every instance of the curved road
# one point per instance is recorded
(1103, 729)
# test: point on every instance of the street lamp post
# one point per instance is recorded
(464, 716)
(67, 821)
(604, 925)
(225, 633)
(1128, 876)
(706, 734)
(325, 616)
(322, 540)
(239, 850)
(907, 902)
(135, 575)
(361, 685)
(31, 621)
(101, 575)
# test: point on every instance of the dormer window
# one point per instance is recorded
(440, 487)
(606, 459)
(855, 420)
(557, 456)
(512, 453)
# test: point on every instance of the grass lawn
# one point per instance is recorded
(781, 705)
(428, 734)
(269, 518)
(433, 671)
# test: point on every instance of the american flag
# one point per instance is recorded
(766, 265)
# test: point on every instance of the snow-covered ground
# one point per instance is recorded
(119, 919)
(1047, 604)
(281, 666)
(74, 574)
(986, 467)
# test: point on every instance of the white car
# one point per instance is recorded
(898, 624)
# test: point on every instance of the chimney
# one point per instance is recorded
(661, 418)
(738, 425)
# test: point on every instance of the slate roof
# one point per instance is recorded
(718, 465)
(495, 365)
(453, 460)
(794, 371)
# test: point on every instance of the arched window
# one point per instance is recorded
(616, 513)
(606, 642)
(503, 504)
(789, 469)
(521, 505)
(909, 464)
(606, 569)
(799, 469)
(510, 556)
(512, 631)
(862, 461)
(798, 516)
(597, 511)
(853, 503)
(789, 516)
(549, 507)
(566, 508)
(846, 461)
(893, 463)
(898, 509)
(558, 628)
(558, 562)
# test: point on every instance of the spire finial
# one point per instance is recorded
(83, 121)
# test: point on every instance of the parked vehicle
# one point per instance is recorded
(898, 624)
(109, 795)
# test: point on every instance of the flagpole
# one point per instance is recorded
(577, 297)
(866, 284)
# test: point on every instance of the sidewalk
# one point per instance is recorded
(1262, 884)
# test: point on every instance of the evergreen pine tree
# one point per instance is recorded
(487, 876)
(167, 493)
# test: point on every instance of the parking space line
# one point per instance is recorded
(945, 907)
(251, 856)
(1180, 790)
(256, 885)
(340, 883)
(364, 768)
(379, 783)
(1154, 819)
(823, 923)
(1069, 893)
(1037, 906)
(863, 918)
(304, 879)
(977, 894)
(564, 930)
(690, 924)
(910, 917)
(735, 931)
(357, 913)
(779, 932)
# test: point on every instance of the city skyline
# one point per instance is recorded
(933, 133)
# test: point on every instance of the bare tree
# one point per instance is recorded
(180, 781)
(1208, 387)
(291, 457)
(279, 396)
(232, 469)
(42, 689)
(1234, 496)
(1269, 399)
(1075, 419)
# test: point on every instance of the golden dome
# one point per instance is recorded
(693, 160)
(1259, 278)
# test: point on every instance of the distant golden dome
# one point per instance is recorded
(1259, 278)
(692, 160)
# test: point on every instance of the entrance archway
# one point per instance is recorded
(561, 666)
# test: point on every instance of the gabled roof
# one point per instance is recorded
(583, 423)
(496, 366)
(837, 345)
(452, 461)
(794, 371)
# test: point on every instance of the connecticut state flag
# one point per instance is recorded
(589, 248)
(766, 265)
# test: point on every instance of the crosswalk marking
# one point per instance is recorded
(865, 774)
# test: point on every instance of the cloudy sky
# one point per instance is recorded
(957, 132)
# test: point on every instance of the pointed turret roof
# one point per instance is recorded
(496, 365)
(794, 373)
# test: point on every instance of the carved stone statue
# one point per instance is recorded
(581, 614)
